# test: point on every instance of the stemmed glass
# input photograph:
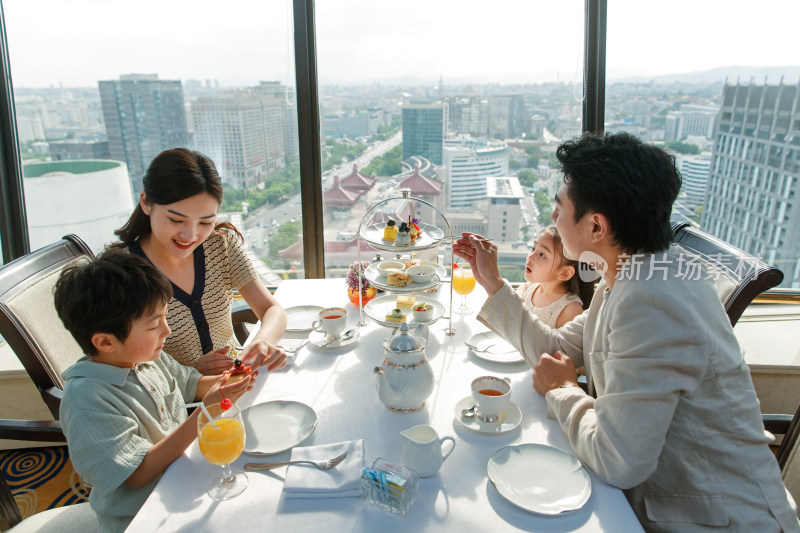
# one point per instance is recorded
(221, 443)
(463, 284)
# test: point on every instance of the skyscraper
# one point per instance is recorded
(754, 175)
(467, 165)
(423, 131)
(144, 116)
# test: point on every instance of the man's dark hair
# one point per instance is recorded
(632, 183)
(107, 294)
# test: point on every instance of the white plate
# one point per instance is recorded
(501, 350)
(299, 318)
(509, 419)
(378, 308)
(378, 278)
(431, 236)
(277, 426)
(540, 478)
(320, 340)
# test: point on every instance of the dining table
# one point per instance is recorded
(339, 384)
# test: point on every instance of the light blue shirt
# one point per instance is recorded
(111, 417)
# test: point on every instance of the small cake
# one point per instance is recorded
(405, 301)
(238, 372)
(403, 237)
(398, 279)
(395, 315)
(413, 262)
(423, 312)
(414, 229)
(390, 230)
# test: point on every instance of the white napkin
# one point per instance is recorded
(307, 481)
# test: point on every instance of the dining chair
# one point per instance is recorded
(28, 318)
(78, 518)
(787, 453)
(738, 276)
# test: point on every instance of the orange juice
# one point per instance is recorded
(224, 445)
(463, 281)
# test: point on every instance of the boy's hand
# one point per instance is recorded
(232, 390)
(214, 363)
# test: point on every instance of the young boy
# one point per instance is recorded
(121, 409)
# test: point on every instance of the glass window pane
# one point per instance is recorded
(461, 104)
(710, 81)
(98, 97)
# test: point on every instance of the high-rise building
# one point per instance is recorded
(753, 192)
(144, 116)
(505, 216)
(694, 171)
(690, 120)
(75, 150)
(507, 116)
(243, 133)
(467, 165)
(467, 115)
(423, 131)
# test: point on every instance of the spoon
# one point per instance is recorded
(345, 336)
(469, 412)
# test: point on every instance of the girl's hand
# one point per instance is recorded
(214, 363)
(263, 354)
(232, 390)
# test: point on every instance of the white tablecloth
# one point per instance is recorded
(340, 386)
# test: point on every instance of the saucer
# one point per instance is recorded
(320, 340)
(509, 419)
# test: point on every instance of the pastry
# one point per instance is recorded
(238, 372)
(398, 279)
(422, 312)
(405, 301)
(395, 315)
(414, 229)
(413, 262)
(390, 230)
(403, 237)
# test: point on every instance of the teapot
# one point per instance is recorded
(422, 450)
(405, 378)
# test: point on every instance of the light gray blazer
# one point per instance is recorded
(676, 423)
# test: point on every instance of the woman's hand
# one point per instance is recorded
(263, 354)
(232, 390)
(214, 363)
(482, 258)
(554, 371)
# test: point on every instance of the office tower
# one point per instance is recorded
(505, 216)
(467, 165)
(752, 197)
(423, 131)
(287, 97)
(690, 120)
(694, 171)
(467, 115)
(75, 150)
(144, 116)
(243, 132)
(507, 116)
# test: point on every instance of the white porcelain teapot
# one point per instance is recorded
(405, 378)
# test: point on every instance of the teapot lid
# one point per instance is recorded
(403, 342)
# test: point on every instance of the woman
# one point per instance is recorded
(174, 227)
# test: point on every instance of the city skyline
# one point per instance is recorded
(360, 42)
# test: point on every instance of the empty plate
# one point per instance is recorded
(489, 346)
(540, 478)
(277, 426)
(301, 317)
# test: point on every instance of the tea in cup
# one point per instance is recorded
(491, 395)
(332, 321)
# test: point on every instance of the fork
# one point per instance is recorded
(322, 465)
(293, 350)
(488, 349)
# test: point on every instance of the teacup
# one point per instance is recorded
(491, 395)
(332, 322)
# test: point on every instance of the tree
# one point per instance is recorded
(285, 236)
(527, 177)
(544, 205)
(683, 148)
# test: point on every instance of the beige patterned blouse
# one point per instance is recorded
(201, 321)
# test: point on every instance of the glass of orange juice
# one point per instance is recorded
(221, 443)
(463, 283)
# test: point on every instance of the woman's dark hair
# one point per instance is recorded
(574, 285)
(107, 294)
(632, 183)
(172, 176)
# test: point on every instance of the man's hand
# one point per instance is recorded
(554, 371)
(482, 258)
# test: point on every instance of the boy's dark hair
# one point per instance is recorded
(632, 183)
(107, 294)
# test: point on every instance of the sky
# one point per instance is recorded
(240, 42)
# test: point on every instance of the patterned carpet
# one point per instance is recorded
(41, 479)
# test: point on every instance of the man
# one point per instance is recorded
(675, 423)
